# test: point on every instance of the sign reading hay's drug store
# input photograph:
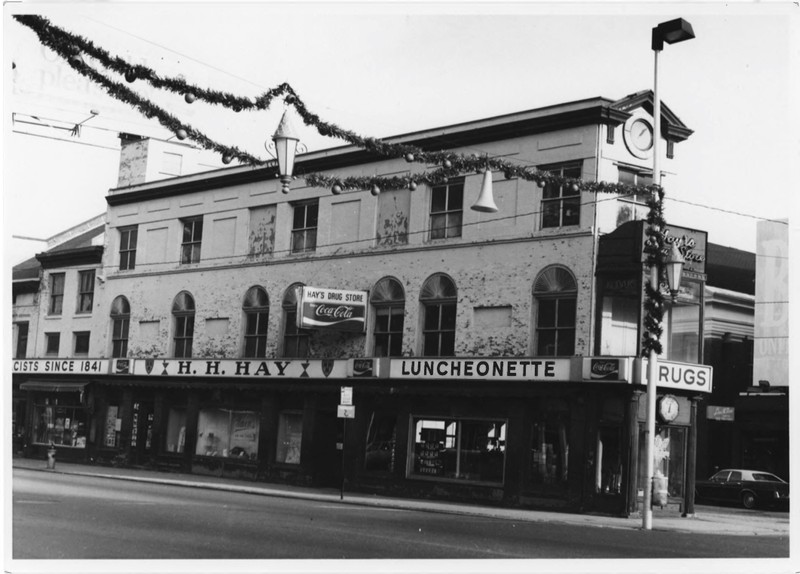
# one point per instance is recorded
(334, 309)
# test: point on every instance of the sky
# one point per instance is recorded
(394, 68)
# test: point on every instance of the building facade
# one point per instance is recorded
(398, 342)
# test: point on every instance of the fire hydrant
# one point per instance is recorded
(51, 456)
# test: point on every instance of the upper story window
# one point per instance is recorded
(447, 208)
(192, 238)
(120, 323)
(81, 343)
(388, 301)
(304, 226)
(561, 204)
(438, 297)
(85, 291)
(56, 293)
(256, 319)
(21, 350)
(633, 176)
(555, 294)
(183, 315)
(128, 237)
(52, 341)
(295, 340)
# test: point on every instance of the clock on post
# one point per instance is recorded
(638, 135)
(668, 408)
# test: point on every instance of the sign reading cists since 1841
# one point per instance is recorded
(61, 366)
(482, 369)
(335, 309)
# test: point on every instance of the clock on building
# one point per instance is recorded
(668, 408)
(638, 134)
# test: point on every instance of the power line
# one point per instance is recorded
(725, 210)
(65, 140)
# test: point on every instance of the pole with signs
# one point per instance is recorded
(345, 411)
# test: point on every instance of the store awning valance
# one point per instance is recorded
(54, 386)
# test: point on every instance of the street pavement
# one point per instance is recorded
(707, 519)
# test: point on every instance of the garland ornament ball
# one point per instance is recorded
(447, 164)
(226, 159)
(336, 189)
(409, 157)
(412, 186)
(375, 190)
(181, 134)
(130, 76)
(189, 97)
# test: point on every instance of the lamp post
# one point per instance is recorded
(670, 32)
(285, 140)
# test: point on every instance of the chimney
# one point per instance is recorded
(132, 159)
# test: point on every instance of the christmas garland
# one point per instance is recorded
(72, 47)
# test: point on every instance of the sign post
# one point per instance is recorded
(345, 411)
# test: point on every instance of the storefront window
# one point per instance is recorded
(290, 436)
(669, 458)
(683, 333)
(227, 433)
(469, 450)
(112, 427)
(608, 454)
(381, 441)
(176, 430)
(60, 424)
(550, 453)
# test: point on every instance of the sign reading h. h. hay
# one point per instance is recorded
(319, 308)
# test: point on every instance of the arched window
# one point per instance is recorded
(183, 315)
(295, 341)
(120, 321)
(388, 299)
(438, 298)
(555, 294)
(256, 316)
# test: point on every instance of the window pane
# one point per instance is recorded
(312, 211)
(550, 214)
(432, 317)
(381, 441)
(438, 225)
(566, 342)
(454, 224)
(438, 199)
(572, 211)
(448, 344)
(448, 316)
(382, 320)
(431, 345)
(547, 313)
(546, 345)
(551, 191)
(299, 220)
(566, 312)
(290, 435)
(455, 199)
(550, 450)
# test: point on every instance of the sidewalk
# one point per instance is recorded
(706, 520)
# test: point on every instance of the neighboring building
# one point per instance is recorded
(52, 314)
(491, 356)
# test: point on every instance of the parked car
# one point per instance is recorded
(746, 487)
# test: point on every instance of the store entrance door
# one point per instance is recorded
(142, 432)
(327, 457)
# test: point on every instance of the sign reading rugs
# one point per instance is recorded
(334, 309)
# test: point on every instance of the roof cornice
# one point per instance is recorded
(68, 257)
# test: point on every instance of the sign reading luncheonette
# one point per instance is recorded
(319, 308)
(482, 369)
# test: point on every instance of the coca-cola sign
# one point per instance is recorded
(605, 369)
(610, 369)
(336, 309)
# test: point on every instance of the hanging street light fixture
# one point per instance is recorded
(671, 32)
(285, 140)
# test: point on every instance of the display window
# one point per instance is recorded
(290, 437)
(60, 422)
(175, 438)
(550, 453)
(381, 442)
(669, 456)
(458, 449)
(227, 433)
(112, 427)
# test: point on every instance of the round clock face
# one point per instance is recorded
(639, 137)
(668, 408)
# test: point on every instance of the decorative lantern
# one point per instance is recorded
(285, 140)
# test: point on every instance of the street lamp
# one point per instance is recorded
(285, 141)
(671, 32)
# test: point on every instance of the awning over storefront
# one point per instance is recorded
(54, 386)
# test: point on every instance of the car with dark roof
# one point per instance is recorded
(750, 488)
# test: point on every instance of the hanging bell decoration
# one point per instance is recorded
(485, 201)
